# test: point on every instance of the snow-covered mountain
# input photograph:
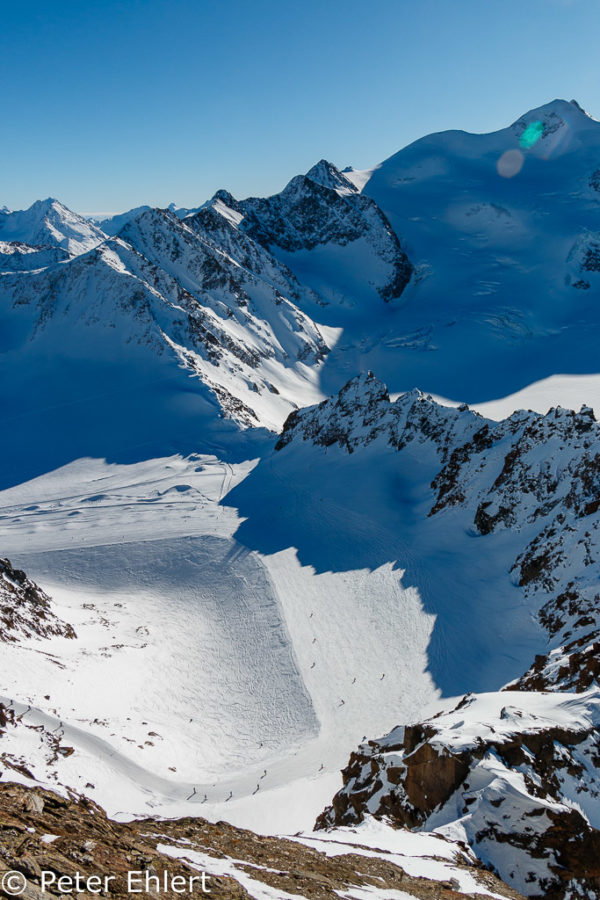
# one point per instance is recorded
(524, 491)
(160, 324)
(189, 502)
(333, 238)
(49, 222)
(205, 306)
(386, 549)
(496, 226)
(495, 524)
(112, 225)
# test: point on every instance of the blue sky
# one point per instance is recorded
(108, 105)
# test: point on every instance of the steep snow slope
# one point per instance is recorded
(155, 348)
(49, 222)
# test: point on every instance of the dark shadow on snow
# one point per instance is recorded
(345, 513)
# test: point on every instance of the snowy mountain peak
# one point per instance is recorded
(224, 197)
(328, 175)
(364, 389)
(50, 223)
(547, 124)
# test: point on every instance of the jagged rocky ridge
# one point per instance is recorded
(325, 207)
(25, 610)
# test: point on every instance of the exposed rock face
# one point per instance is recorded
(40, 831)
(520, 781)
(25, 610)
(324, 208)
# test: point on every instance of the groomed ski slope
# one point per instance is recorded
(215, 672)
(199, 664)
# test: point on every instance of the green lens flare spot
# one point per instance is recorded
(532, 134)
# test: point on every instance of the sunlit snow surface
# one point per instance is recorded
(225, 667)
(199, 664)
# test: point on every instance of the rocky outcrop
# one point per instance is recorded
(25, 610)
(517, 776)
(584, 260)
(43, 832)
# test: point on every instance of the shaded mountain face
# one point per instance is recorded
(453, 489)
(501, 229)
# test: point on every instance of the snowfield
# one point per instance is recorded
(265, 557)
(199, 664)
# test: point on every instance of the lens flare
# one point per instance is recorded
(510, 163)
(532, 134)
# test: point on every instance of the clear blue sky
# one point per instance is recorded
(108, 105)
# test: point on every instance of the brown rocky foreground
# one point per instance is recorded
(42, 832)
